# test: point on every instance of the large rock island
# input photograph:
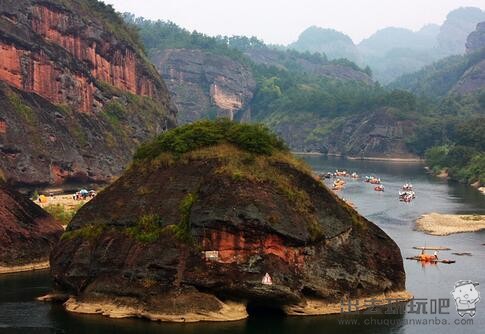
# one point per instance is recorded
(203, 213)
(27, 233)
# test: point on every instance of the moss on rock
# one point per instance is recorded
(253, 138)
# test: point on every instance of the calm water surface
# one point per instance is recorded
(20, 313)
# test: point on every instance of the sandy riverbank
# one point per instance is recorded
(67, 201)
(26, 267)
(62, 207)
(445, 224)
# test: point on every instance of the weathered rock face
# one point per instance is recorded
(175, 236)
(476, 40)
(72, 56)
(42, 42)
(206, 85)
(27, 233)
(378, 134)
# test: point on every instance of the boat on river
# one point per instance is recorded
(379, 187)
(423, 257)
(372, 180)
(427, 258)
(407, 196)
(342, 173)
(407, 187)
(338, 184)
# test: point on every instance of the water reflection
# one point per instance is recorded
(19, 313)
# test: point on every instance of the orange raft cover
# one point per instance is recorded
(427, 258)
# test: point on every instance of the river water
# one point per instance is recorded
(20, 313)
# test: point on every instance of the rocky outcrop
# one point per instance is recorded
(380, 134)
(377, 134)
(189, 236)
(76, 59)
(206, 85)
(27, 233)
(476, 40)
(50, 50)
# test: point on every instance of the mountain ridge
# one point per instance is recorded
(393, 51)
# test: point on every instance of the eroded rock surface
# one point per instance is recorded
(27, 233)
(71, 78)
(206, 85)
(377, 134)
(186, 234)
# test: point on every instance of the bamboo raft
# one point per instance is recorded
(417, 258)
(436, 248)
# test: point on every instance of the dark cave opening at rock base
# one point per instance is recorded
(257, 309)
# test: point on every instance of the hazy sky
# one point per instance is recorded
(281, 21)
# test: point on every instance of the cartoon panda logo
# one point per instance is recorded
(466, 297)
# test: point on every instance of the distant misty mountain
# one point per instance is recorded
(453, 75)
(455, 30)
(392, 52)
(391, 38)
(476, 40)
(332, 43)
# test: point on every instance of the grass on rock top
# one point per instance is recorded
(254, 138)
(245, 153)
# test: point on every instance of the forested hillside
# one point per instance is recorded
(312, 102)
(452, 139)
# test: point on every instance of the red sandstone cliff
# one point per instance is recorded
(73, 58)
